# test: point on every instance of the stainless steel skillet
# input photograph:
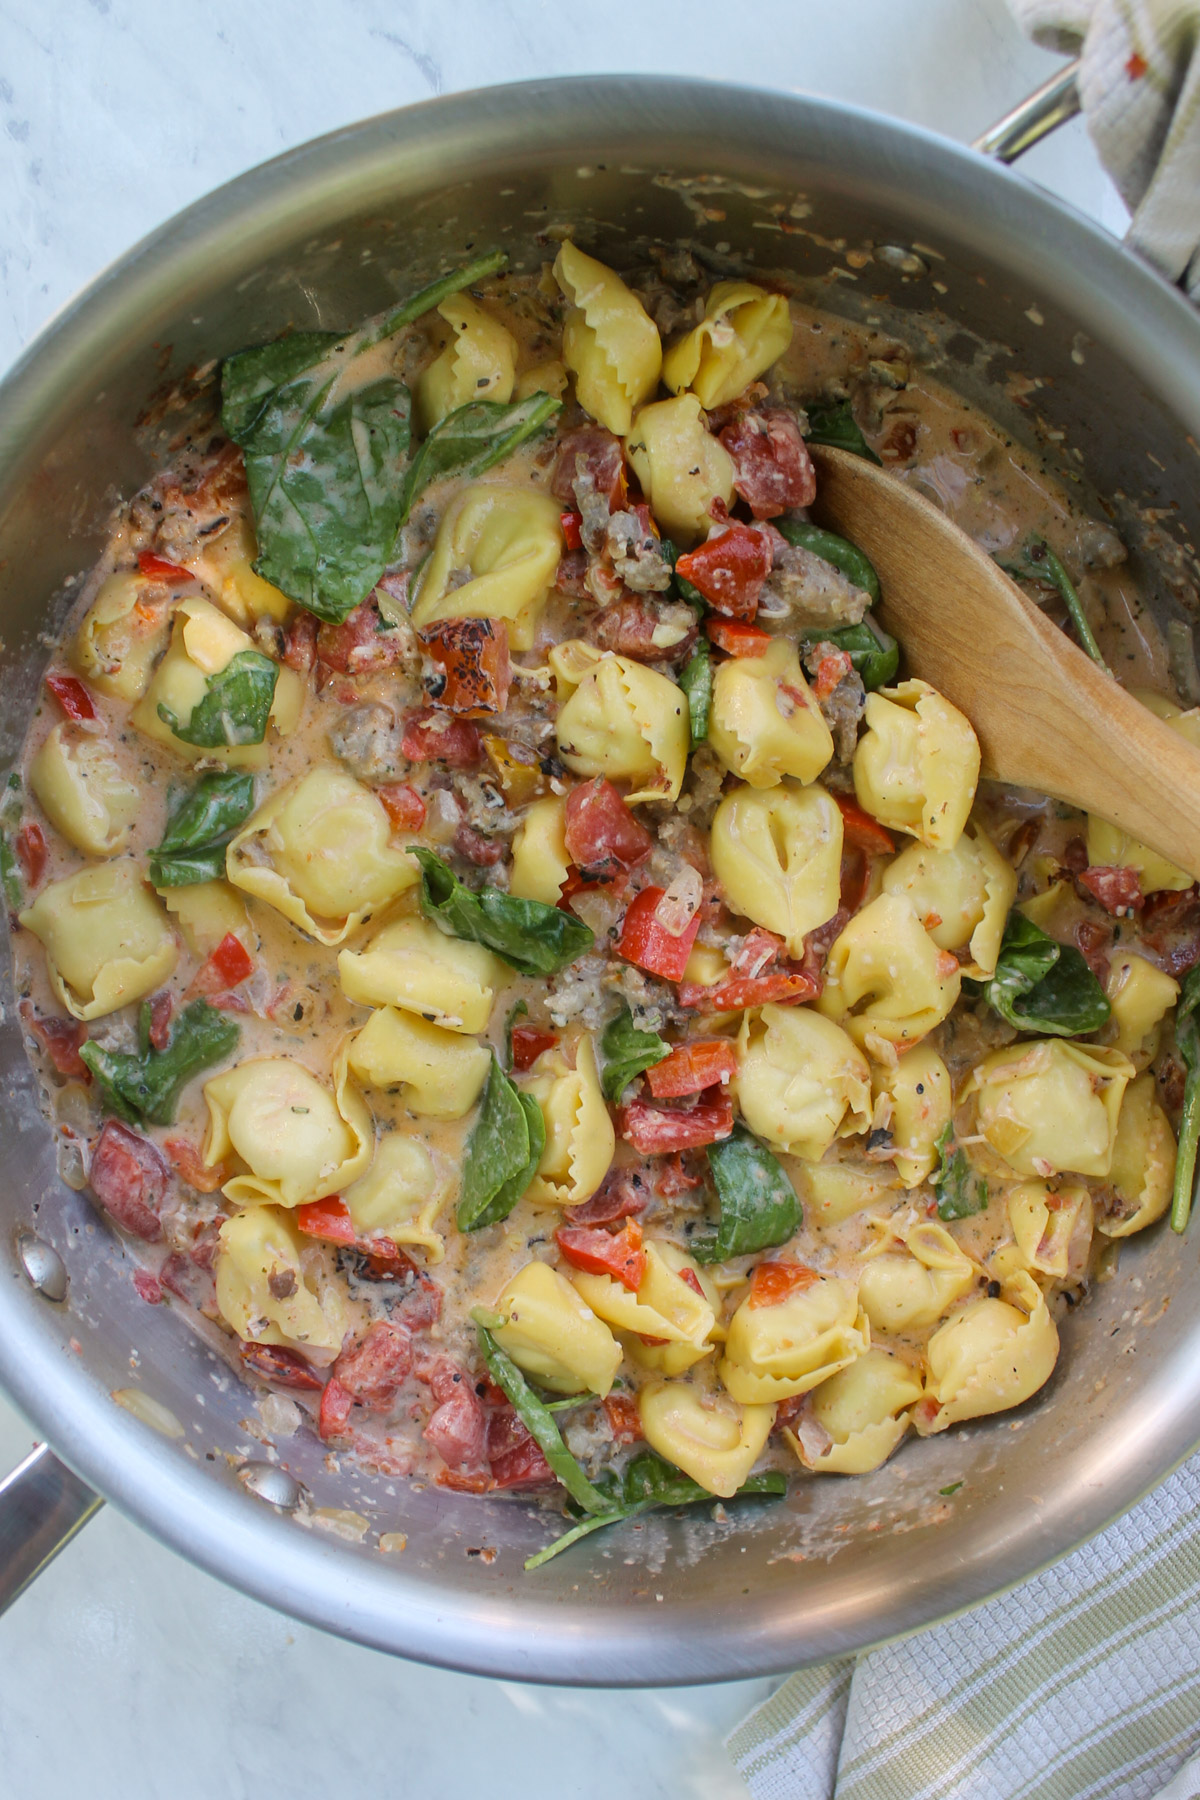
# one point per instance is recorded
(1027, 293)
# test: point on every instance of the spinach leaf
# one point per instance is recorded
(503, 1152)
(535, 938)
(960, 1190)
(10, 819)
(1187, 1040)
(681, 589)
(651, 1482)
(1044, 986)
(759, 1205)
(696, 680)
(873, 652)
(235, 707)
(325, 466)
(833, 422)
(538, 1421)
(626, 1051)
(148, 1086)
(200, 826)
(1036, 561)
(833, 549)
(475, 437)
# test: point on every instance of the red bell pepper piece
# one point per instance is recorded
(403, 805)
(659, 1130)
(572, 535)
(690, 1068)
(473, 653)
(160, 569)
(624, 1420)
(648, 944)
(30, 847)
(327, 1219)
(776, 1281)
(72, 696)
(831, 670)
(616, 1253)
(860, 829)
(729, 570)
(736, 638)
(528, 1043)
(229, 964)
(776, 988)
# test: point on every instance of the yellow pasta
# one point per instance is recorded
(1050, 1106)
(865, 1410)
(1052, 1232)
(400, 1196)
(227, 571)
(743, 333)
(79, 786)
(541, 861)
(665, 1307)
(991, 1355)
(203, 644)
(121, 638)
(628, 723)
(919, 1089)
(551, 1333)
(610, 343)
(1110, 847)
(682, 468)
(1140, 997)
(413, 965)
(833, 1191)
(914, 1275)
(787, 1348)
(962, 895)
(258, 1251)
(107, 940)
(440, 1074)
(710, 1438)
(1142, 1173)
(801, 1081)
(764, 722)
(294, 1139)
(917, 764)
(886, 981)
(580, 1139)
(207, 912)
(494, 557)
(479, 362)
(778, 855)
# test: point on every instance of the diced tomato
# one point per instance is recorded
(648, 944)
(229, 964)
(513, 1454)
(128, 1176)
(690, 1279)
(61, 1039)
(776, 988)
(361, 644)
(334, 1416)
(760, 948)
(676, 1179)
(286, 1368)
(189, 1166)
(473, 653)
(776, 1281)
(300, 643)
(858, 827)
(373, 1370)
(772, 469)
(161, 1008)
(831, 670)
(624, 1420)
(160, 569)
(72, 696)
(690, 1068)
(735, 638)
(570, 522)
(729, 570)
(1118, 890)
(434, 736)
(616, 1253)
(623, 1193)
(403, 805)
(603, 837)
(528, 1043)
(327, 1219)
(593, 458)
(30, 847)
(656, 1130)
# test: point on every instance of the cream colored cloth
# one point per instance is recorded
(1140, 87)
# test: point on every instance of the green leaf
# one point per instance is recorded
(148, 1087)
(530, 936)
(952, 1489)
(200, 826)
(1187, 1042)
(10, 874)
(519, 1011)
(539, 1422)
(235, 707)
(833, 549)
(759, 1205)
(1036, 561)
(680, 588)
(626, 1051)
(503, 1152)
(873, 652)
(833, 422)
(960, 1191)
(1044, 986)
(474, 438)
(325, 460)
(697, 683)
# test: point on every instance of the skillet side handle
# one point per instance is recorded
(1042, 112)
(42, 1506)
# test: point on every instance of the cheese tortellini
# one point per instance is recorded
(494, 557)
(1048, 1106)
(541, 861)
(789, 1346)
(992, 1354)
(961, 895)
(121, 638)
(320, 852)
(709, 1437)
(628, 723)
(801, 1081)
(764, 722)
(917, 764)
(1140, 997)
(275, 1286)
(413, 965)
(479, 362)
(778, 856)
(886, 981)
(203, 644)
(915, 1274)
(107, 940)
(551, 1333)
(919, 1090)
(82, 791)
(682, 468)
(400, 1196)
(291, 1139)
(865, 1411)
(1110, 847)
(439, 1073)
(610, 342)
(227, 571)
(743, 332)
(580, 1139)
(665, 1307)
(1052, 1232)
(207, 912)
(1142, 1173)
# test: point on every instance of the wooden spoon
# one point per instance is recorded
(1046, 716)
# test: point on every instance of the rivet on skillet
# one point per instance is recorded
(267, 1481)
(43, 1265)
(905, 262)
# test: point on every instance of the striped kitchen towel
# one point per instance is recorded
(1082, 1684)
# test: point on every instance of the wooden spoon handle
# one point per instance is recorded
(1045, 715)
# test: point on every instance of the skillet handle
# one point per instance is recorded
(42, 1505)
(1042, 112)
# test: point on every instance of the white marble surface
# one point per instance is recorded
(125, 1672)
